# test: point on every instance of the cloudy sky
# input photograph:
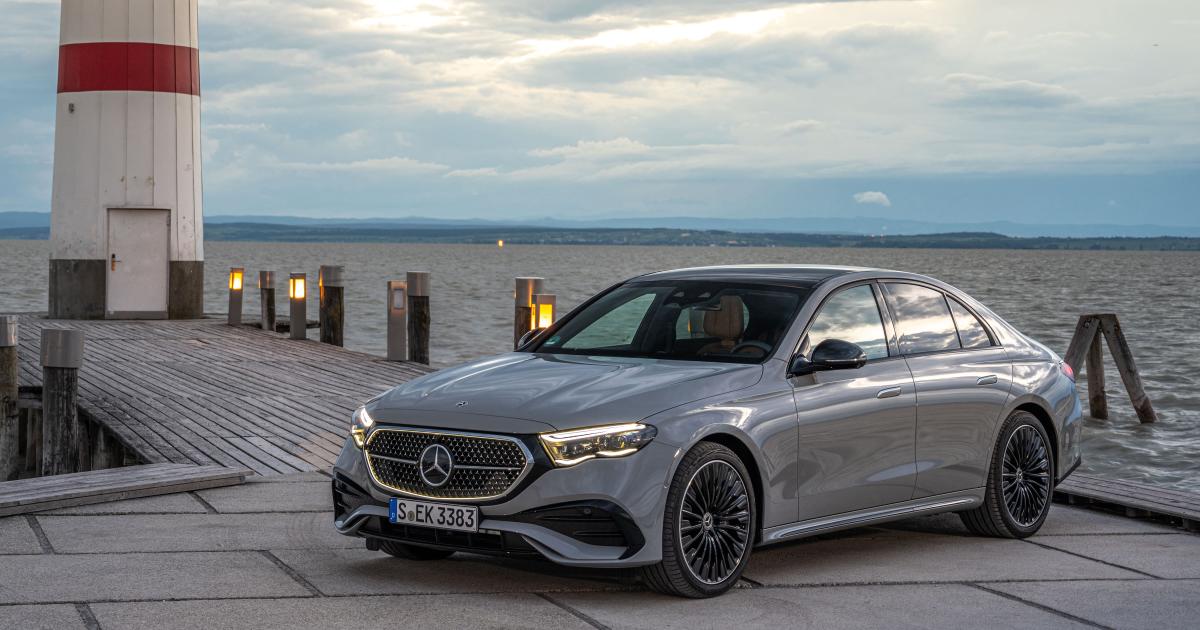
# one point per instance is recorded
(1033, 111)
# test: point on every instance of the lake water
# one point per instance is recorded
(1041, 292)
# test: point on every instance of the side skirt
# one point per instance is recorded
(950, 502)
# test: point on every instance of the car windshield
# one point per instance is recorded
(689, 320)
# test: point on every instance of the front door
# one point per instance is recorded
(138, 263)
(857, 427)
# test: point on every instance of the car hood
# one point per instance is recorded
(557, 391)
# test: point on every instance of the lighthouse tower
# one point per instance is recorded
(127, 224)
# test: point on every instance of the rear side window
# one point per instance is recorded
(923, 319)
(971, 332)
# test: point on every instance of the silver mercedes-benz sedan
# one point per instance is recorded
(678, 419)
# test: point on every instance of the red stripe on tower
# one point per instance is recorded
(128, 67)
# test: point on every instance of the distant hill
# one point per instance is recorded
(374, 233)
(779, 225)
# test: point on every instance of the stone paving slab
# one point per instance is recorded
(437, 611)
(1153, 604)
(48, 617)
(1063, 520)
(1174, 556)
(178, 503)
(362, 572)
(864, 557)
(915, 606)
(141, 576)
(306, 496)
(17, 537)
(192, 532)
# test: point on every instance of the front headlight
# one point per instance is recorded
(360, 426)
(567, 448)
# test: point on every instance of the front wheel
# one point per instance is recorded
(708, 528)
(1020, 482)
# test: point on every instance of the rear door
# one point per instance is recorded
(856, 427)
(962, 380)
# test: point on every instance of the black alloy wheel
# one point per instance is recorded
(709, 525)
(1020, 482)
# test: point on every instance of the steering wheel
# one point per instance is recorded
(757, 345)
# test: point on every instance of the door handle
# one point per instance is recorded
(888, 392)
(114, 262)
(990, 379)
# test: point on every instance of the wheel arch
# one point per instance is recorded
(1047, 422)
(746, 454)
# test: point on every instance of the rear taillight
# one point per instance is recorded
(1068, 370)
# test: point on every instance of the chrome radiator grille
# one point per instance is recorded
(480, 467)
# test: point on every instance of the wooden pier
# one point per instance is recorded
(202, 392)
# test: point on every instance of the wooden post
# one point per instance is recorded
(62, 356)
(333, 305)
(298, 301)
(526, 288)
(1126, 367)
(1085, 331)
(266, 290)
(1097, 397)
(107, 452)
(418, 316)
(33, 444)
(10, 419)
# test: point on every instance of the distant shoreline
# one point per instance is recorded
(264, 232)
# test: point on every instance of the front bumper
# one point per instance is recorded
(601, 513)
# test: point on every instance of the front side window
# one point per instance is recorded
(971, 332)
(850, 315)
(688, 319)
(923, 319)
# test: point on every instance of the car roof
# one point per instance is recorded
(803, 275)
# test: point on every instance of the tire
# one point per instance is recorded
(1023, 464)
(413, 552)
(724, 533)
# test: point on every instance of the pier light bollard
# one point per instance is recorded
(298, 315)
(10, 427)
(333, 304)
(543, 310)
(418, 316)
(236, 277)
(266, 290)
(397, 320)
(526, 288)
(63, 434)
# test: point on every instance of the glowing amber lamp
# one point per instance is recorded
(543, 310)
(500, 243)
(296, 287)
(235, 278)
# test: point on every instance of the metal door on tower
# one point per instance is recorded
(139, 243)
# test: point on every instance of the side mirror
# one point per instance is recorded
(527, 337)
(831, 354)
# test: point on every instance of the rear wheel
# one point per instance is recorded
(708, 528)
(1020, 482)
(413, 552)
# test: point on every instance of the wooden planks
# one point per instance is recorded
(1157, 501)
(114, 484)
(203, 393)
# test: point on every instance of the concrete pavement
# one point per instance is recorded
(263, 555)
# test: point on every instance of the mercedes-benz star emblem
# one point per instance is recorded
(435, 465)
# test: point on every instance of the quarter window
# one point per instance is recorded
(971, 332)
(923, 319)
(851, 315)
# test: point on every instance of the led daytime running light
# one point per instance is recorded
(567, 448)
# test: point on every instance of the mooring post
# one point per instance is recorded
(1097, 397)
(397, 320)
(526, 288)
(62, 356)
(236, 277)
(1127, 368)
(266, 290)
(418, 316)
(333, 304)
(298, 314)
(10, 419)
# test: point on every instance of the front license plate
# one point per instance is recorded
(463, 518)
